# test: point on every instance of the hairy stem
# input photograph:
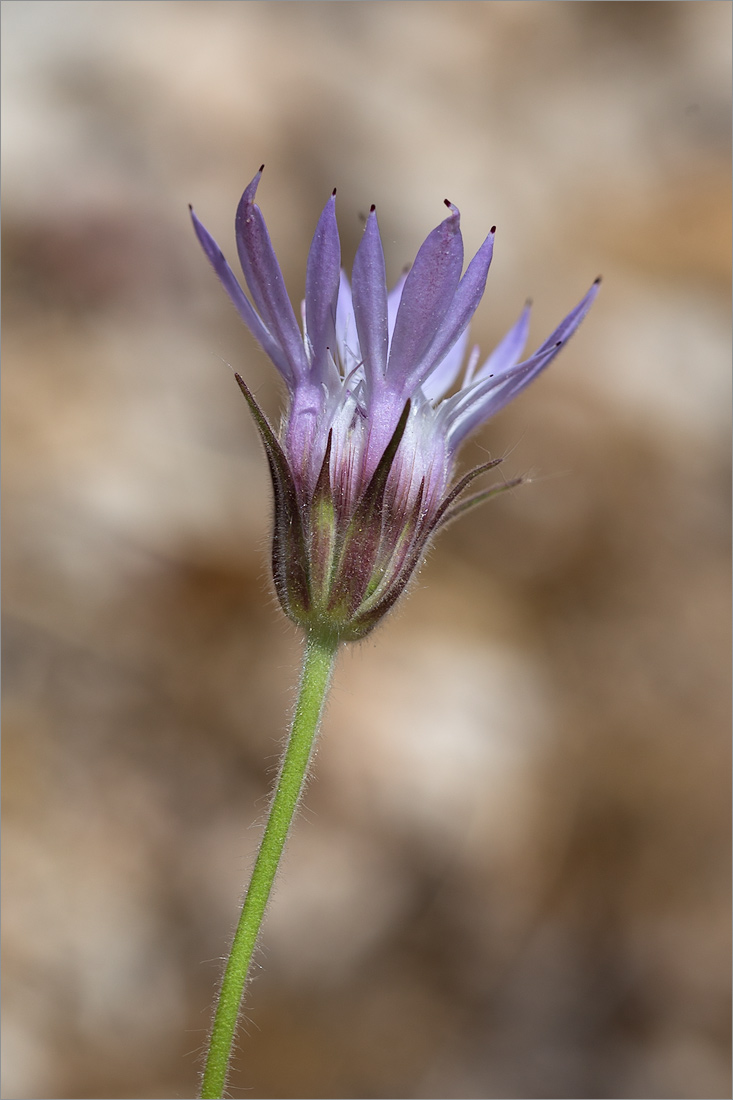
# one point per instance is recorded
(318, 662)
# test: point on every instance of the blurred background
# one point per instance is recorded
(511, 876)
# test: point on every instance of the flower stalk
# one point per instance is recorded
(381, 397)
(318, 663)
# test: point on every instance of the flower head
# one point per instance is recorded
(363, 465)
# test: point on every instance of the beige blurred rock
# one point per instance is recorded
(512, 870)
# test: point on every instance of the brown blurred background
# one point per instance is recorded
(511, 878)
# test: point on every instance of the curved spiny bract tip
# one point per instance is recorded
(463, 506)
(459, 488)
(289, 552)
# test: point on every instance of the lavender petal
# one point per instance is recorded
(486, 397)
(369, 297)
(507, 352)
(321, 292)
(567, 327)
(427, 295)
(393, 302)
(442, 377)
(347, 338)
(265, 281)
(240, 301)
(460, 311)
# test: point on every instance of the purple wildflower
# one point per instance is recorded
(363, 465)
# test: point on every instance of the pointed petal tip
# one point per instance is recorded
(492, 230)
(206, 241)
(455, 214)
(250, 190)
(598, 280)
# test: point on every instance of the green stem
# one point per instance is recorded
(318, 662)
